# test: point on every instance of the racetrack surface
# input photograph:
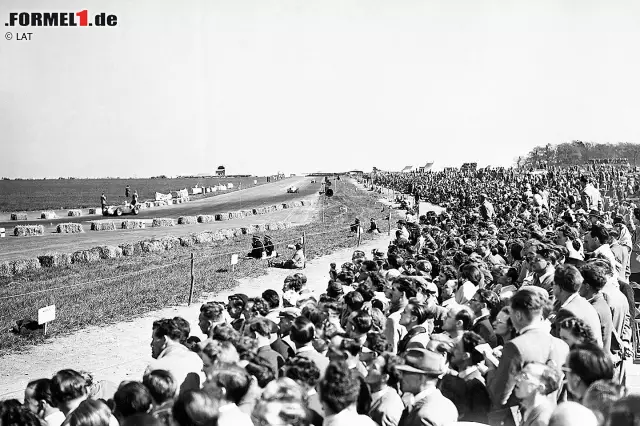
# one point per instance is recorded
(12, 248)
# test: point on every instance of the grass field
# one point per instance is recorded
(21, 195)
(119, 298)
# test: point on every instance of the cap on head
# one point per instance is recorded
(423, 361)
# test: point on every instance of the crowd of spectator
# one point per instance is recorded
(513, 306)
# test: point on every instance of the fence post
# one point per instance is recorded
(389, 222)
(359, 233)
(192, 281)
(323, 208)
(304, 248)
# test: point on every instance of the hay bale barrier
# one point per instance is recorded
(132, 224)
(86, 256)
(107, 225)
(188, 241)
(69, 228)
(222, 216)
(247, 212)
(95, 210)
(53, 260)
(74, 212)
(285, 205)
(151, 246)
(18, 216)
(163, 222)
(5, 269)
(247, 230)
(169, 242)
(206, 218)
(21, 266)
(203, 237)
(187, 220)
(130, 249)
(109, 252)
(28, 230)
(48, 215)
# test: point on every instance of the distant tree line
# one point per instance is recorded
(577, 153)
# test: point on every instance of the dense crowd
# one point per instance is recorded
(513, 306)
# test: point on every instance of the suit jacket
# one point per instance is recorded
(321, 361)
(387, 409)
(579, 308)
(606, 323)
(432, 410)
(283, 349)
(534, 344)
(275, 359)
(477, 400)
(540, 415)
(485, 330)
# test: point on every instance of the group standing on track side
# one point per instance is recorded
(513, 306)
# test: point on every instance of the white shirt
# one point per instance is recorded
(230, 415)
(55, 419)
(348, 417)
(569, 299)
(180, 362)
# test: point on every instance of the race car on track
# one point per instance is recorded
(292, 189)
(121, 209)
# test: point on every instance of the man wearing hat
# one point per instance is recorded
(297, 261)
(287, 315)
(236, 306)
(420, 375)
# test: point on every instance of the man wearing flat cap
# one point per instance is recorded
(420, 375)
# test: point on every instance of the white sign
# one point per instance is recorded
(46, 314)
(2, 234)
(234, 259)
(255, 181)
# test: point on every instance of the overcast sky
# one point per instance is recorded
(298, 86)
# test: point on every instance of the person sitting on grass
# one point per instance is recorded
(296, 262)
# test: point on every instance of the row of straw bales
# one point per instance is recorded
(155, 245)
(69, 228)
(18, 216)
(28, 230)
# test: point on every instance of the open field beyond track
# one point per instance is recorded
(44, 194)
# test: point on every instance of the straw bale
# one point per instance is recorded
(160, 222)
(187, 220)
(86, 256)
(169, 242)
(109, 252)
(5, 269)
(187, 241)
(218, 235)
(149, 204)
(28, 230)
(94, 210)
(106, 225)
(151, 246)
(281, 225)
(222, 216)
(75, 212)
(258, 211)
(48, 215)
(24, 265)
(287, 225)
(272, 227)
(157, 203)
(278, 207)
(260, 227)
(296, 204)
(128, 249)
(69, 228)
(227, 233)
(51, 260)
(203, 237)
(246, 230)
(236, 232)
(133, 224)
(18, 216)
(206, 218)
(285, 205)
(247, 212)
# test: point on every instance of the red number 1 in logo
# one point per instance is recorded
(83, 17)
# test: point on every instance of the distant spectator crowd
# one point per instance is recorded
(513, 306)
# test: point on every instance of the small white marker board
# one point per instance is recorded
(234, 259)
(46, 315)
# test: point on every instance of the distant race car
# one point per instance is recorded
(292, 189)
(121, 209)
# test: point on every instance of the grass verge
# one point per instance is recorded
(133, 286)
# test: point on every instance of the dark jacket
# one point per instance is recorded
(485, 330)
